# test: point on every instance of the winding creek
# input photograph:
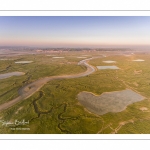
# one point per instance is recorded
(29, 89)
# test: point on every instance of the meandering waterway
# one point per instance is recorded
(28, 90)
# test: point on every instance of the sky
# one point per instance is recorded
(75, 31)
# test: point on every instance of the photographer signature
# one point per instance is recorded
(15, 123)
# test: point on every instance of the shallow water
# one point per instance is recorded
(23, 62)
(81, 57)
(10, 74)
(138, 60)
(107, 67)
(109, 61)
(115, 101)
(58, 57)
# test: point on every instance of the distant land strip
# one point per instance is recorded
(74, 10)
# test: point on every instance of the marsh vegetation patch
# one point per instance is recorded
(20, 108)
(108, 102)
(107, 67)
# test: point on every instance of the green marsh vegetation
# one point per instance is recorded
(55, 107)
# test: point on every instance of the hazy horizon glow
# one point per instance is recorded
(82, 31)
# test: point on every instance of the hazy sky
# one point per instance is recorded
(75, 31)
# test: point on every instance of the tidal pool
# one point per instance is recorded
(58, 57)
(23, 62)
(81, 57)
(116, 101)
(107, 67)
(10, 74)
(109, 61)
(138, 60)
